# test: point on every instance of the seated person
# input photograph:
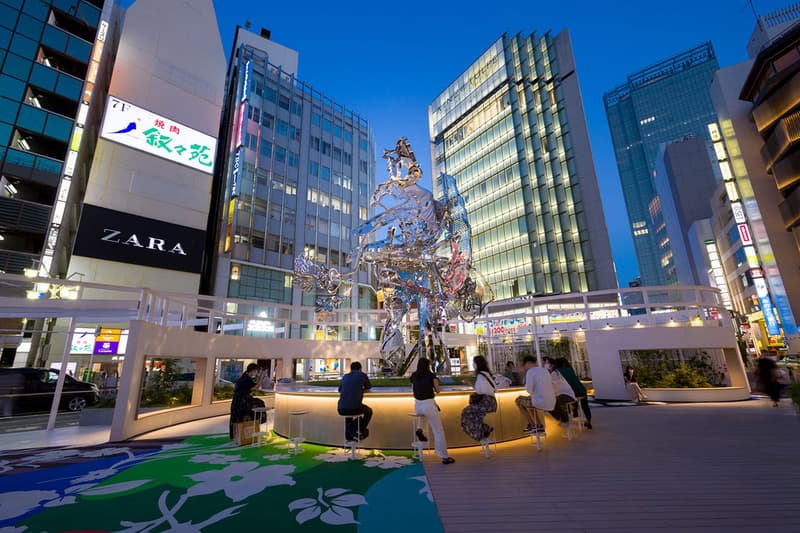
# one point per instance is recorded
(634, 390)
(564, 393)
(512, 374)
(541, 394)
(351, 396)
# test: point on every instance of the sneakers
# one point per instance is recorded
(448, 461)
(421, 435)
(364, 434)
(488, 432)
(588, 425)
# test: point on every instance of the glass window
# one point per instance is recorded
(5, 37)
(5, 134)
(55, 38)
(315, 119)
(267, 120)
(12, 88)
(8, 16)
(283, 102)
(43, 77)
(266, 148)
(31, 118)
(325, 173)
(23, 46)
(363, 144)
(89, 13)
(297, 108)
(58, 127)
(326, 124)
(313, 168)
(337, 130)
(282, 127)
(348, 136)
(294, 159)
(39, 9)
(79, 49)
(17, 66)
(8, 109)
(326, 148)
(30, 27)
(280, 154)
(69, 87)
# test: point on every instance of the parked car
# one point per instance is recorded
(25, 390)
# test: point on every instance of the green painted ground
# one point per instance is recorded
(205, 483)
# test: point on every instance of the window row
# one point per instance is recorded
(324, 199)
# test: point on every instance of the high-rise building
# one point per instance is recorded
(56, 64)
(684, 180)
(511, 130)
(294, 177)
(758, 179)
(146, 206)
(659, 104)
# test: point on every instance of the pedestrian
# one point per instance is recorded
(481, 402)
(565, 369)
(425, 385)
(351, 403)
(767, 375)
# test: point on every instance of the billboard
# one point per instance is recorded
(156, 135)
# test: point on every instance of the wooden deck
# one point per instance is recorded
(712, 467)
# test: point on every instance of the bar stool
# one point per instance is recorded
(538, 421)
(295, 440)
(490, 441)
(580, 416)
(351, 444)
(419, 422)
(257, 433)
(570, 407)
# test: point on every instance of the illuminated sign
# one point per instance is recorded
(246, 81)
(744, 234)
(138, 128)
(730, 187)
(84, 342)
(752, 257)
(738, 212)
(713, 131)
(756, 273)
(237, 166)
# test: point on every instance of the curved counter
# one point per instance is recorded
(391, 427)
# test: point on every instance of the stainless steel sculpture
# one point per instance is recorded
(421, 253)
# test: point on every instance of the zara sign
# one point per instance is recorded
(116, 236)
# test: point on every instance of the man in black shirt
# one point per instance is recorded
(351, 395)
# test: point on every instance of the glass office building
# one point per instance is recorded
(511, 129)
(662, 103)
(295, 177)
(56, 59)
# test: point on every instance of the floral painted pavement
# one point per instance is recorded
(205, 483)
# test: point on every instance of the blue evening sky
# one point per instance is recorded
(388, 60)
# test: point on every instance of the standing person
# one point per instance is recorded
(243, 401)
(425, 385)
(767, 375)
(351, 402)
(482, 401)
(565, 369)
(634, 390)
(541, 394)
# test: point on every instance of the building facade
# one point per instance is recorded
(146, 206)
(511, 130)
(295, 174)
(684, 180)
(659, 104)
(57, 58)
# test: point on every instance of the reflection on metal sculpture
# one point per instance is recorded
(423, 262)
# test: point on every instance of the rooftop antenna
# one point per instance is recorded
(248, 24)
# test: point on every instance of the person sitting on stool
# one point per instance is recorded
(351, 396)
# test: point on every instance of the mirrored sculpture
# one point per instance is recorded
(420, 251)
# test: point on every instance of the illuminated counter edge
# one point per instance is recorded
(390, 427)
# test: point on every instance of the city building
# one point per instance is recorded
(659, 104)
(56, 66)
(773, 86)
(511, 130)
(684, 180)
(55, 73)
(294, 176)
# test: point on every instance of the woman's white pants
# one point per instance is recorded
(431, 412)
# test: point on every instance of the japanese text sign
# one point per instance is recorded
(138, 128)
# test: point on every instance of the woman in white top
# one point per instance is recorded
(482, 401)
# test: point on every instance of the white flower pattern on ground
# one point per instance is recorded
(95, 475)
(334, 501)
(277, 457)
(50, 456)
(17, 503)
(386, 462)
(105, 452)
(240, 480)
(4, 467)
(426, 489)
(336, 455)
(215, 458)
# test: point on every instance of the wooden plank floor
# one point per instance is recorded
(712, 467)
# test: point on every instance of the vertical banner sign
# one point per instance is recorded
(245, 81)
(237, 166)
(744, 234)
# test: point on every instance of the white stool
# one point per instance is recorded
(419, 422)
(296, 440)
(491, 440)
(569, 407)
(257, 433)
(579, 416)
(352, 444)
(537, 421)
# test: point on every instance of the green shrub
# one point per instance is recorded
(222, 392)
